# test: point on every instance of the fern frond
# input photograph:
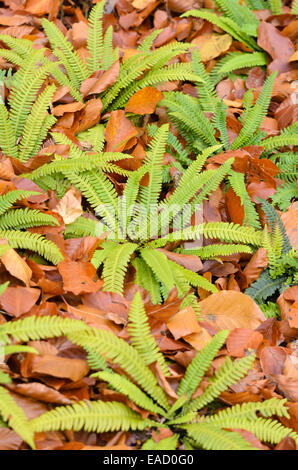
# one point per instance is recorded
(200, 364)
(214, 251)
(23, 218)
(122, 385)
(118, 351)
(83, 227)
(234, 61)
(264, 287)
(95, 37)
(273, 220)
(159, 264)
(35, 130)
(275, 6)
(8, 199)
(92, 416)
(115, 266)
(59, 41)
(33, 242)
(140, 334)
(210, 437)
(37, 328)
(15, 417)
(228, 374)
(146, 279)
(7, 134)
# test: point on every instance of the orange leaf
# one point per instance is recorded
(293, 315)
(73, 369)
(242, 339)
(184, 323)
(16, 266)
(119, 131)
(19, 300)
(67, 108)
(256, 265)
(144, 101)
(78, 277)
(231, 309)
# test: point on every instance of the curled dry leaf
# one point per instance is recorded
(255, 266)
(16, 266)
(55, 366)
(119, 131)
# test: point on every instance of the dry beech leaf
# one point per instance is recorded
(16, 266)
(272, 359)
(290, 220)
(119, 131)
(19, 300)
(67, 108)
(69, 207)
(184, 323)
(141, 4)
(144, 101)
(198, 340)
(9, 440)
(78, 277)
(231, 309)
(293, 315)
(255, 266)
(63, 367)
(214, 46)
(40, 392)
(242, 339)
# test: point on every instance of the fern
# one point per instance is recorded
(15, 417)
(95, 416)
(23, 218)
(234, 61)
(141, 339)
(115, 266)
(264, 287)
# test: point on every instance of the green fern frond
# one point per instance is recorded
(215, 251)
(15, 417)
(140, 334)
(210, 437)
(168, 443)
(115, 266)
(83, 227)
(92, 416)
(95, 37)
(200, 364)
(228, 374)
(264, 287)
(33, 242)
(275, 6)
(118, 351)
(37, 328)
(273, 219)
(256, 115)
(23, 218)
(8, 199)
(234, 61)
(294, 9)
(159, 264)
(239, 13)
(95, 136)
(122, 385)
(7, 134)
(110, 55)
(279, 141)
(35, 130)
(59, 41)
(146, 279)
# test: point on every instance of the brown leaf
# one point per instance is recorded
(242, 339)
(290, 220)
(272, 359)
(9, 440)
(287, 443)
(19, 300)
(119, 131)
(67, 108)
(144, 101)
(40, 7)
(215, 46)
(16, 266)
(191, 262)
(69, 207)
(184, 323)
(293, 315)
(255, 266)
(277, 45)
(78, 277)
(231, 309)
(55, 366)
(95, 85)
(90, 114)
(40, 392)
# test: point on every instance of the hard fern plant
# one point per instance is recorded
(141, 222)
(282, 259)
(188, 114)
(138, 383)
(13, 223)
(145, 68)
(239, 20)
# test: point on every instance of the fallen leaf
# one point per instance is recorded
(19, 300)
(255, 266)
(144, 101)
(214, 46)
(240, 340)
(67, 108)
(79, 277)
(16, 266)
(69, 207)
(73, 369)
(231, 309)
(119, 131)
(184, 323)
(272, 359)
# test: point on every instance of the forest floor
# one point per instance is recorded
(235, 291)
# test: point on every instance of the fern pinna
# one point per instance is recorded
(139, 384)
